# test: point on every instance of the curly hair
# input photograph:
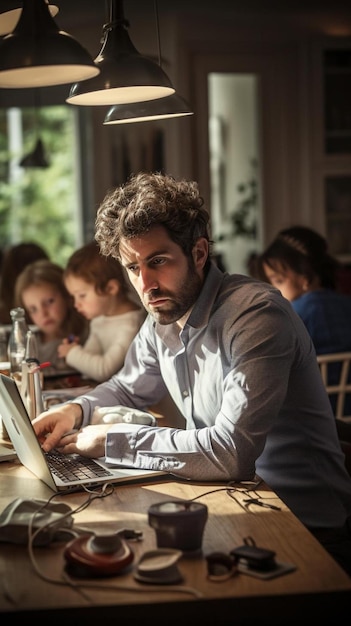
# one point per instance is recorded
(147, 200)
(304, 251)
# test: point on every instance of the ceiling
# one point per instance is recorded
(84, 20)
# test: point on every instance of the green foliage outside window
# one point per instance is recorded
(40, 204)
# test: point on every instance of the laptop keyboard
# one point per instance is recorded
(72, 468)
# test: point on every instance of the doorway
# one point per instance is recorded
(234, 167)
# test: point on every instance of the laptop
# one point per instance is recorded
(53, 467)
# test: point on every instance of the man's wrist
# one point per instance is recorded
(78, 415)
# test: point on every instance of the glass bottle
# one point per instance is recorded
(17, 341)
(31, 353)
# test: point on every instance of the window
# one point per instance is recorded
(40, 204)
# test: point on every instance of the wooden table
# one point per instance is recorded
(318, 584)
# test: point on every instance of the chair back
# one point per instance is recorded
(335, 370)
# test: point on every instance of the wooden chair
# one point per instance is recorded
(335, 370)
(336, 374)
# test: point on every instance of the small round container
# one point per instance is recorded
(178, 524)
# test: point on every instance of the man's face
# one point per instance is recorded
(167, 282)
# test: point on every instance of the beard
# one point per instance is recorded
(180, 301)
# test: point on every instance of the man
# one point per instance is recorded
(234, 356)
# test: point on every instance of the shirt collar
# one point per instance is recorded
(203, 306)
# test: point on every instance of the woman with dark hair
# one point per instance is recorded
(298, 263)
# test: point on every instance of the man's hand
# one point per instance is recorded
(54, 424)
(90, 441)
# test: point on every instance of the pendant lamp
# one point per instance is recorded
(36, 158)
(9, 19)
(171, 106)
(38, 54)
(125, 76)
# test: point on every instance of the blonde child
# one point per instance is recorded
(40, 290)
(101, 294)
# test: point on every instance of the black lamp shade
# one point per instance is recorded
(38, 54)
(36, 158)
(163, 108)
(125, 75)
(9, 19)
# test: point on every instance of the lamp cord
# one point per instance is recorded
(115, 15)
(80, 586)
(158, 33)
